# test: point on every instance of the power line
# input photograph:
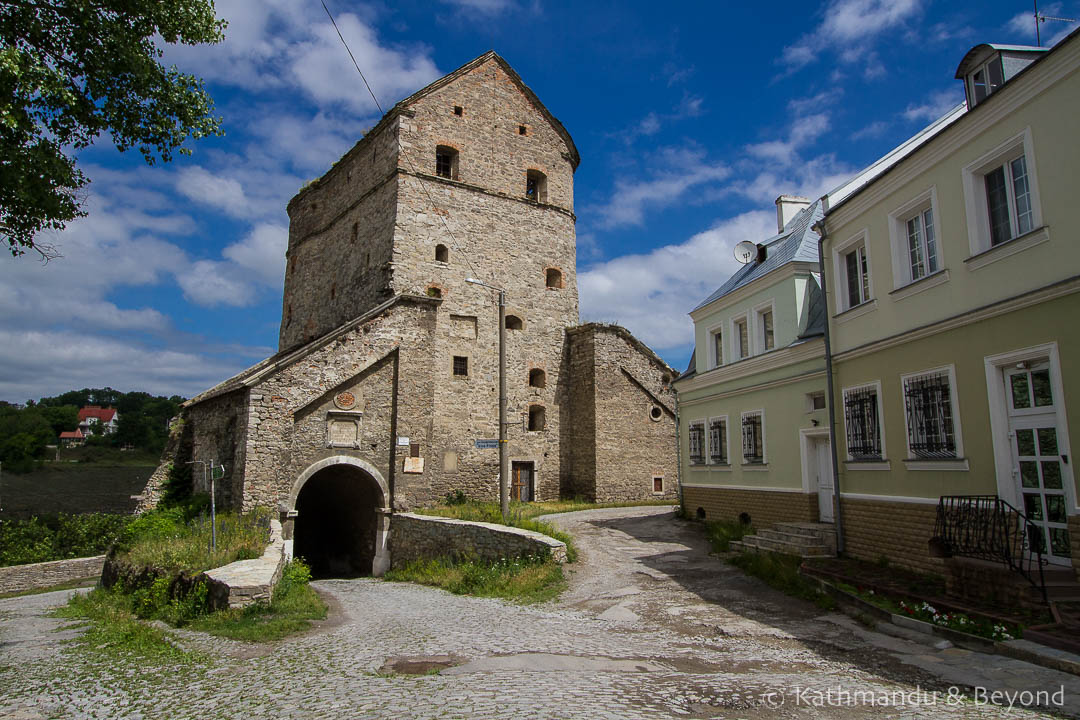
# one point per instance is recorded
(401, 148)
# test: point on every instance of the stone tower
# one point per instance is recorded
(471, 176)
(383, 395)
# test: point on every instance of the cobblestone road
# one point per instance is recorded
(651, 627)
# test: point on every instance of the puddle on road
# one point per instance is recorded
(419, 664)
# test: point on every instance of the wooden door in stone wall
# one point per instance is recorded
(522, 482)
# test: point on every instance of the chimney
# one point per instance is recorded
(787, 207)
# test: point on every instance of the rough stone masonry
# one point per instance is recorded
(385, 385)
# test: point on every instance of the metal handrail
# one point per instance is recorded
(988, 528)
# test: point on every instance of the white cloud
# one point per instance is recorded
(262, 251)
(651, 293)
(38, 363)
(852, 26)
(211, 283)
(676, 171)
(873, 130)
(485, 7)
(937, 104)
(225, 194)
(803, 132)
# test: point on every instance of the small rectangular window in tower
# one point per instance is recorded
(658, 484)
(461, 366)
(458, 110)
(522, 130)
(536, 186)
(446, 162)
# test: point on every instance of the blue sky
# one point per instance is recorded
(690, 118)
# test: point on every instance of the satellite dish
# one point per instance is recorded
(746, 251)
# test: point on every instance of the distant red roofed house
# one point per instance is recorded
(92, 415)
(72, 438)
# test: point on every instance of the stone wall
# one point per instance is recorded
(764, 508)
(18, 578)
(898, 531)
(417, 537)
(245, 582)
(628, 435)
(215, 432)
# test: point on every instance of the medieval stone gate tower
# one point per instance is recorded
(385, 386)
(471, 176)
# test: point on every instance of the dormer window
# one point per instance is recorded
(984, 81)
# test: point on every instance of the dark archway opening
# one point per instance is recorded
(336, 522)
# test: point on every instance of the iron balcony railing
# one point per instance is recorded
(988, 528)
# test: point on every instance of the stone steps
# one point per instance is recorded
(805, 540)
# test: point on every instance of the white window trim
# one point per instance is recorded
(876, 385)
(764, 444)
(999, 419)
(840, 303)
(733, 343)
(758, 329)
(898, 237)
(913, 462)
(704, 443)
(711, 358)
(978, 219)
(708, 441)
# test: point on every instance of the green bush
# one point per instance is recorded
(781, 572)
(722, 532)
(58, 537)
(524, 580)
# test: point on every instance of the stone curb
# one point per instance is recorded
(244, 582)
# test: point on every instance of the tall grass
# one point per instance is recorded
(781, 572)
(169, 541)
(722, 532)
(524, 580)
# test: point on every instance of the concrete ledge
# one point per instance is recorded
(416, 537)
(244, 582)
(1040, 655)
(17, 578)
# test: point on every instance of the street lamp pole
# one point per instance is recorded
(504, 469)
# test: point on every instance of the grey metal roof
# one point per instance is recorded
(797, 243)
(815, 314)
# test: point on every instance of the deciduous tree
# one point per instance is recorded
(71, 70)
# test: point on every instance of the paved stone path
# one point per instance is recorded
(651, 627)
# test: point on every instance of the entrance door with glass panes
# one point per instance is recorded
(1037, 459)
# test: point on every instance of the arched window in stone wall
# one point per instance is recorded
(553, 278)
(446, 162)
(513, 322)
(537, 418)
(441, 253)
(537, 378)
(536, 186)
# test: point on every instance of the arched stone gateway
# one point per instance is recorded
(340, 518)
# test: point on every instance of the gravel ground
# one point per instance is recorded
(651, 627)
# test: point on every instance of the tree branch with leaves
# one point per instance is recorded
(71, 70)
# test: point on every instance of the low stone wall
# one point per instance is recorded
(17, 578)
(244, 582)
(415, 537)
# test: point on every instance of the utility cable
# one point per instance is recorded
(401, 148)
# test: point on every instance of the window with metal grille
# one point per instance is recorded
(697, 443)
(753, 441)
(461, 365)
(861, 421)
(718, 441)
(928, 404)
